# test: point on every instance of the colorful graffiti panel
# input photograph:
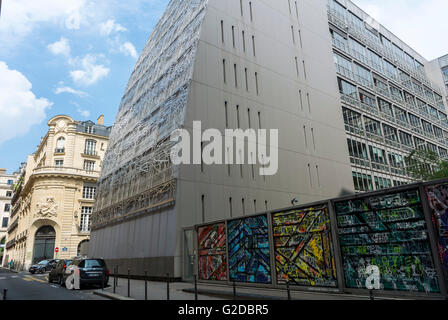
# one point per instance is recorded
(438, 201)
(387, 231)
(303, 250)
(212, 252)
(249, 257)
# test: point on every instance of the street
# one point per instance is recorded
(26, 286)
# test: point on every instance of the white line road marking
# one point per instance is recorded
(14, 277)
(3, 278)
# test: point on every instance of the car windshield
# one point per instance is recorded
(67, 262)
(92, 263)
(43, 262)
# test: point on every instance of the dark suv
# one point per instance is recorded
(57, 273)
(91, 271)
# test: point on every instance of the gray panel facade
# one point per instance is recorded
(285, 79)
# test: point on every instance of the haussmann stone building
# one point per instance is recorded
(55, 191)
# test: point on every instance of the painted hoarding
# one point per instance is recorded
(212, 252)
(388, 231)
(303, 248)
(438, 201)
(249, 257)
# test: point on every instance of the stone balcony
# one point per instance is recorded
(66, 171)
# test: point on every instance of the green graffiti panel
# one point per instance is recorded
(388, 231)
(303, 250)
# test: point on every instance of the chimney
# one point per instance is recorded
(2, 171)
(100, 120)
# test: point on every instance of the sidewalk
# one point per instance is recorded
(185, 291)
(6, 270)
(156, 290)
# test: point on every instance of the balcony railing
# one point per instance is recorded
(88, 152)
(66, 170)
(59, 150)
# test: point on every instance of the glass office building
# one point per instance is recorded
(390, 105)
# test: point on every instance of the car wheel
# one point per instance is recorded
(43, 270)
(32, 272)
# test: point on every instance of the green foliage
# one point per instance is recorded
(426, 165)
(19, 184)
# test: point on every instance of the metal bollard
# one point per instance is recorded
(234, 290)
(168, 287)
(195, 288)
(5, 291)
(102, 281)
(288, 290)
(371, 295)
(146, 285)
(115, 279)
(129, 283)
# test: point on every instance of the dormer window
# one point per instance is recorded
(89, 129)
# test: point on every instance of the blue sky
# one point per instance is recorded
(75, 57)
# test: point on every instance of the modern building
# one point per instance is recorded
(392, 100)
(6, 192)
(51, 209)
(349, 98)
(229, 65)
(442, 64)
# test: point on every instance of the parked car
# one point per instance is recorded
(57, 273)
(89, 270)
(43, 266)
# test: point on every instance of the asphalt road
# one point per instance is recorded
(26, 286)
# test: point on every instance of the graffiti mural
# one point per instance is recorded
(249, 258)
(388, 231)
(438, 201)
(212, 252)
(303, 250)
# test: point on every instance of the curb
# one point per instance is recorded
(242, 296)
(111, 296)
(226, 294)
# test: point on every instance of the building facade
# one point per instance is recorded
(443, 63)
(55, 191)
(349, 98)
(7, 182)
(393, 100)
(229, 64)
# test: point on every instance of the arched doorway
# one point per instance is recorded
(83, 248)
(44, 244)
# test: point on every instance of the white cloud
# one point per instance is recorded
(19, 107)
(79, 93)
(110, 26)
(60, 47)
(419, 23)
(90, 71)
(84, 113)
(20, 17)
(128, 49)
